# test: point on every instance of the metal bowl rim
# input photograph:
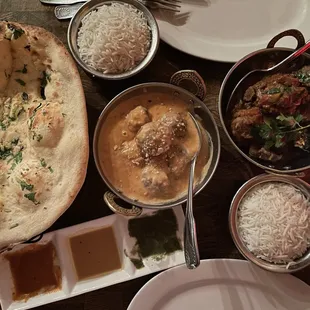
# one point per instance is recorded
(228, 75)
(168, 204)
(155, 39)
(233, 227)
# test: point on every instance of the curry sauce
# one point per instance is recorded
(125, 131)
(34, 270)
(95, 253)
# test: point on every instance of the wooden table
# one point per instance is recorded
(211, 206)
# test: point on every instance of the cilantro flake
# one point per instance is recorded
(43, 163)
(21, 82)
(31, 197)
(25, 185)
(24, 70)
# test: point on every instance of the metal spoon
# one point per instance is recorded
(191, 251)
(256, 75)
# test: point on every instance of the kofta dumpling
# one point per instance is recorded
(154, 139)
(178, 159)
(137, 118)
(131, 151)
(155, 179)
(177, 123)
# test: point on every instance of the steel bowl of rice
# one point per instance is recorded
(269, 222)
(113, 40)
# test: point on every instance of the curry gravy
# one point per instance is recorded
(95, 253)
(122, 173)
(34, 271)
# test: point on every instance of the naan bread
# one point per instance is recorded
(43, 131)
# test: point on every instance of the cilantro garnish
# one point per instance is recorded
(21, 82)
(25, 185)
(31, 197)
(24, 70)
(279, 131)
(16, 32)
(43, 163)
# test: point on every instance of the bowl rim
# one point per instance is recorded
(304, 187)
(221, 114)
(171, 203)
(93, 4)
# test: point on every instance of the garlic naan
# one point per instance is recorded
(43, 131)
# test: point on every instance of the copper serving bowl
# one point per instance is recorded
(260, 59)
(194, 100)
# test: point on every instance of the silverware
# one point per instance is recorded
(62, 1)
(191, 251)
(68, 11)
(256, 75)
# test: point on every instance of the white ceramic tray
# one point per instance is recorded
(70, 285)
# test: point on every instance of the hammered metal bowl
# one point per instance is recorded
(197, 107)
(92, 5)
(304, 187)
(258, 60)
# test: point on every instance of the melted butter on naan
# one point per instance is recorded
(47, 125)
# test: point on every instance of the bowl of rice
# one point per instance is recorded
(269, 221)
(113, 40)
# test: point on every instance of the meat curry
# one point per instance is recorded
(273, 117)
(145, 147)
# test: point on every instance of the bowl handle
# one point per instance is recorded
(191, 81)
(109, 199)
(291, 32)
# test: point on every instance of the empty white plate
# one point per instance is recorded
(227, 30)
(222, 284)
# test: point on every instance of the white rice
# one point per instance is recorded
(114, 38)
(274, 222)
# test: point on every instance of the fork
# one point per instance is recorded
(59, 2)
(68, 8)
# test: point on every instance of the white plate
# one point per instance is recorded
(227, 30)
(222, 284)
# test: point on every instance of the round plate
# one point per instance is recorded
(222, 284)
(227, 30)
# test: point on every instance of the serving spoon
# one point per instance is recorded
(191, 251)
(256, 75)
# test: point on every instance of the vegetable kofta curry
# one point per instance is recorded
(146, 145)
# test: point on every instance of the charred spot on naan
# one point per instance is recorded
(13, 31)
(46, 124)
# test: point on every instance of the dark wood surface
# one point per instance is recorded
(211, 206)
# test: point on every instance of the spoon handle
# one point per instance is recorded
(292, 57)
(190, 238)
(56, 2)
(66, 11)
